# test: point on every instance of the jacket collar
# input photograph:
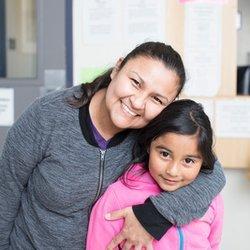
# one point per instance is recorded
(87, 130)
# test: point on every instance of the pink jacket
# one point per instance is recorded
(204, 233)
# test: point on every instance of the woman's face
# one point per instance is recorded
(139, 91)
(174, 160)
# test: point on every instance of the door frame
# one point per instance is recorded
(2, 40)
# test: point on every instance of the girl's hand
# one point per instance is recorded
(132, 234)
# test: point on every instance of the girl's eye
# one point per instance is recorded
(158, 100)
(165, 154)
(189, 161)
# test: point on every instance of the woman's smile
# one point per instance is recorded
(131, 103)
(128, 110)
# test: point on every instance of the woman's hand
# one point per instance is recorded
(132, 234)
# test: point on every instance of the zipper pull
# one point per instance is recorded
(102, 154)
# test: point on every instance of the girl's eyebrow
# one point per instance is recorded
(189, 156)
(141, 79)
(194, 156)
(164, 148)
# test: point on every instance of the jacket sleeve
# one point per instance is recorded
(217, 224)
(183, 205)
(101, 231)
(21, 152)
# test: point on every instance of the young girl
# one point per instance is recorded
(174, 148)
(69, 146)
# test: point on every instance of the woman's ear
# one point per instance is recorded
(116, 68)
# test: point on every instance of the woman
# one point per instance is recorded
(67, 147)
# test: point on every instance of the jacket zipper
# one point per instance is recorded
(100, 174)
(181, 238)
(99, 188)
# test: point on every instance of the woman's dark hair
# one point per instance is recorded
(184, 117)
(155, 50)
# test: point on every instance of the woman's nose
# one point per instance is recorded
(138, 101)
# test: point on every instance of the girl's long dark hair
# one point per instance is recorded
(155, 50)
(184, 117)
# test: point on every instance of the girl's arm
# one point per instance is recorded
(217, 225)
(21, 152)
(181, 206)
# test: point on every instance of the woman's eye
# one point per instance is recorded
(135, 82)
(158, 100)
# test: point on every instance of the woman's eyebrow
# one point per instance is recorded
(141, 79)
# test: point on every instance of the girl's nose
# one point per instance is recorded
(173, 169)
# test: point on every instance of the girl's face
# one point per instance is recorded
(174, 160)
(139, 91)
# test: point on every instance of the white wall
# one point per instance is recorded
(237, 211)
(237, 191)
(243, 46)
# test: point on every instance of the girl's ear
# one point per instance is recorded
(116, 68)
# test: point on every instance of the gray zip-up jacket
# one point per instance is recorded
(50, 175)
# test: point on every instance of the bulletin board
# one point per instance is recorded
(202, 31)
(229, 113)
(105, 30)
